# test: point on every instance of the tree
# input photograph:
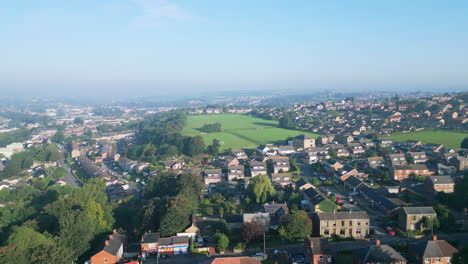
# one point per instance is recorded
(464, 143)
(260, 189)
(196, 146)
(250, 231)
(298, 226)
(223, 241)
(213, 149)
(315, 181)
(55, 156)
(287, 120)
(58, 137)
(78, 120)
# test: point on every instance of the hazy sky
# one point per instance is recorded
(162, 45)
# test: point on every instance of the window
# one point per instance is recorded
(105, 260)
(334, 223)
(358, 231)
(437, 260)
(342, 232)
(350, 223)
(427, 259)
(342, 223)
(358, 223)
(325, 223)
(414, 218)
(326, 232)
(329, 259)
(321, 259)
(449, 259)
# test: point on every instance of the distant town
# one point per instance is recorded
(339, 178)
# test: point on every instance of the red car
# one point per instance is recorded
(338, 200)
(390, 231)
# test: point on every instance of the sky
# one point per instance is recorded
(140, 47)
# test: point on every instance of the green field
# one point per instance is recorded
(239, 131)
(450, 139)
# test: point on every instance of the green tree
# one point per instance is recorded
(251, 231)
(55, 156)
(315, 181)
(196, 146)
(260, 189)
(464, 143)
(287, 121)
(298, 226)
(78, 120)
(223, 241)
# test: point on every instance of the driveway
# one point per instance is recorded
(69, 177)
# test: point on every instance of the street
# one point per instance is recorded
(69, 177)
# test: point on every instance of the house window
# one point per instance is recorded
(414, 218)
(321, 259)
(342, 232)
(334, 223)
(326, 232)
(105, 260)
(329, 259)
(358, 223)
(358, 231)
(342, 223)
(437, 260)
(350, 223)
(449, 259)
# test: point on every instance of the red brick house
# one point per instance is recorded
(402, 172)
(112, 250)
(434, 184)
(432, 251)
(317, 251)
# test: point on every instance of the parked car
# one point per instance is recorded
(390, 231)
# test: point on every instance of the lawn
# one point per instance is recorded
(450, 139)
(239, 131)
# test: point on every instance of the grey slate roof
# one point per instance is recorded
(441, 179)
(419, 210)
(114, 244)
(343, 215)
(434, 249)
(378, 253)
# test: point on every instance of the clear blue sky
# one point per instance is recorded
(152, 45)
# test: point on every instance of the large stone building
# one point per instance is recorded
(345, 224)
(412, 218)
(303, 142)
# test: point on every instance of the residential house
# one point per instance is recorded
(263, 218)
(386, 142)
(239, 154)
(433, 148)
(212, 176)
(402, 172)
(418, 157)
(112, 250)
(355, 148)
(303, 142)
(303, 184)
(381, 254)
(279, 213)
(340, 150)
(434, 184)
(258, 168)
(282, 179)
(411, 218)
(315, 201)
(317, 250)
(347, 172)
(332, 165)
(280, 164)
(396, 159)
(353, 183)
(235, 172)
(345, 224)
(286, 150)
(263, 149)
(443, 169)
(374, 162)
(431, 251)
(318, 153)
(174, 164)
(366, 143)
(461, 163)
(153, 243)
(322, 140)
(344, 139)
(378, 201)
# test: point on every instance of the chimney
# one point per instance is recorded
(377, 242)
(107, 242)
(434, 238)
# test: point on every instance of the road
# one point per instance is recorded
(69, 177)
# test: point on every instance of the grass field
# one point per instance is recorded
(239, 131)
(450, 139)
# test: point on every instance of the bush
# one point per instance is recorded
(240, 245)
